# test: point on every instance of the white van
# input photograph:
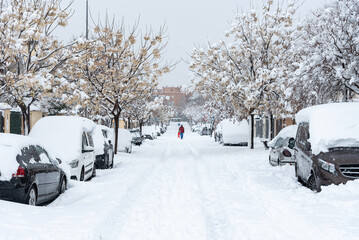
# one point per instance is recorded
(71, 138)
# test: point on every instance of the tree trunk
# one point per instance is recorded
(25, 111)
(129, 123)
(116, 120)
(271, 127)
(141, 124)
(252, 130)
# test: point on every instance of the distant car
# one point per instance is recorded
(124, 140)
(205, 130)
(28, 173)
(149, 132)
(280, 153)
(136, 137)
(71, 137)
(103, 142)
(327, 144)
(234, 132)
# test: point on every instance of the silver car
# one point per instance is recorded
(280, 152)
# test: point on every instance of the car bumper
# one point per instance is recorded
(327, 178)
(13, 190)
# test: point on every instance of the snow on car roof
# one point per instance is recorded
(10, 147)
(289, 131)
(331, 125)
(62, 134)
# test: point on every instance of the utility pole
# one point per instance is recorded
(87, 19)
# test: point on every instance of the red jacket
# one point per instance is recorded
(181, 129)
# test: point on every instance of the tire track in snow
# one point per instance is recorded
(216, 219)
(129, 200)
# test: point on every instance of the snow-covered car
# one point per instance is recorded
(149, 131)
(72, 138)
(205, 130)
(28, 173)
(234, 132)
(218, 137)
(136, 137)
(327, 144)
(280, 153)
(124, 140)
(103, 142)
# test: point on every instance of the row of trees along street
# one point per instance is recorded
(270, 63)
(111, 74)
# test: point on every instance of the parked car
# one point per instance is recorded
(205, 130)
(149, 132)
(103, 141)
(280, 153)
(28, 173)
(218, 137)
(72, 138)
(327, 144)
(136, 137)
(124, 140)
(234, 132)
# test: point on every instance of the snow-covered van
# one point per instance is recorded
(103, 141)
(327, 144)
(72, 139)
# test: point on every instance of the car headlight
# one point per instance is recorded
(330, 167)
(74, 163)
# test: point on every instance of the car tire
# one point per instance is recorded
(312, 183)
(82, 175)
(63, 185)
(32, 197)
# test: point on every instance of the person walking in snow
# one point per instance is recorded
(181, 131)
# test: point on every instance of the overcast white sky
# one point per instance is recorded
(188, 22)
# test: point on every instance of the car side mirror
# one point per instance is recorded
(59, 160)
(87, 149)
(291, 143)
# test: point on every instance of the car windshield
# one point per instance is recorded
(279, 143)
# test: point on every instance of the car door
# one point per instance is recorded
(39, 171)
(304, 162)
(53, 172)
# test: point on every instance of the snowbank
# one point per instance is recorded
(331, 125)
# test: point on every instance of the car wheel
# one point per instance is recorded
(312, 184)
(63, 185)
(82, 175)
(31, 199)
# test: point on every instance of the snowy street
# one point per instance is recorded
(189, 189)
